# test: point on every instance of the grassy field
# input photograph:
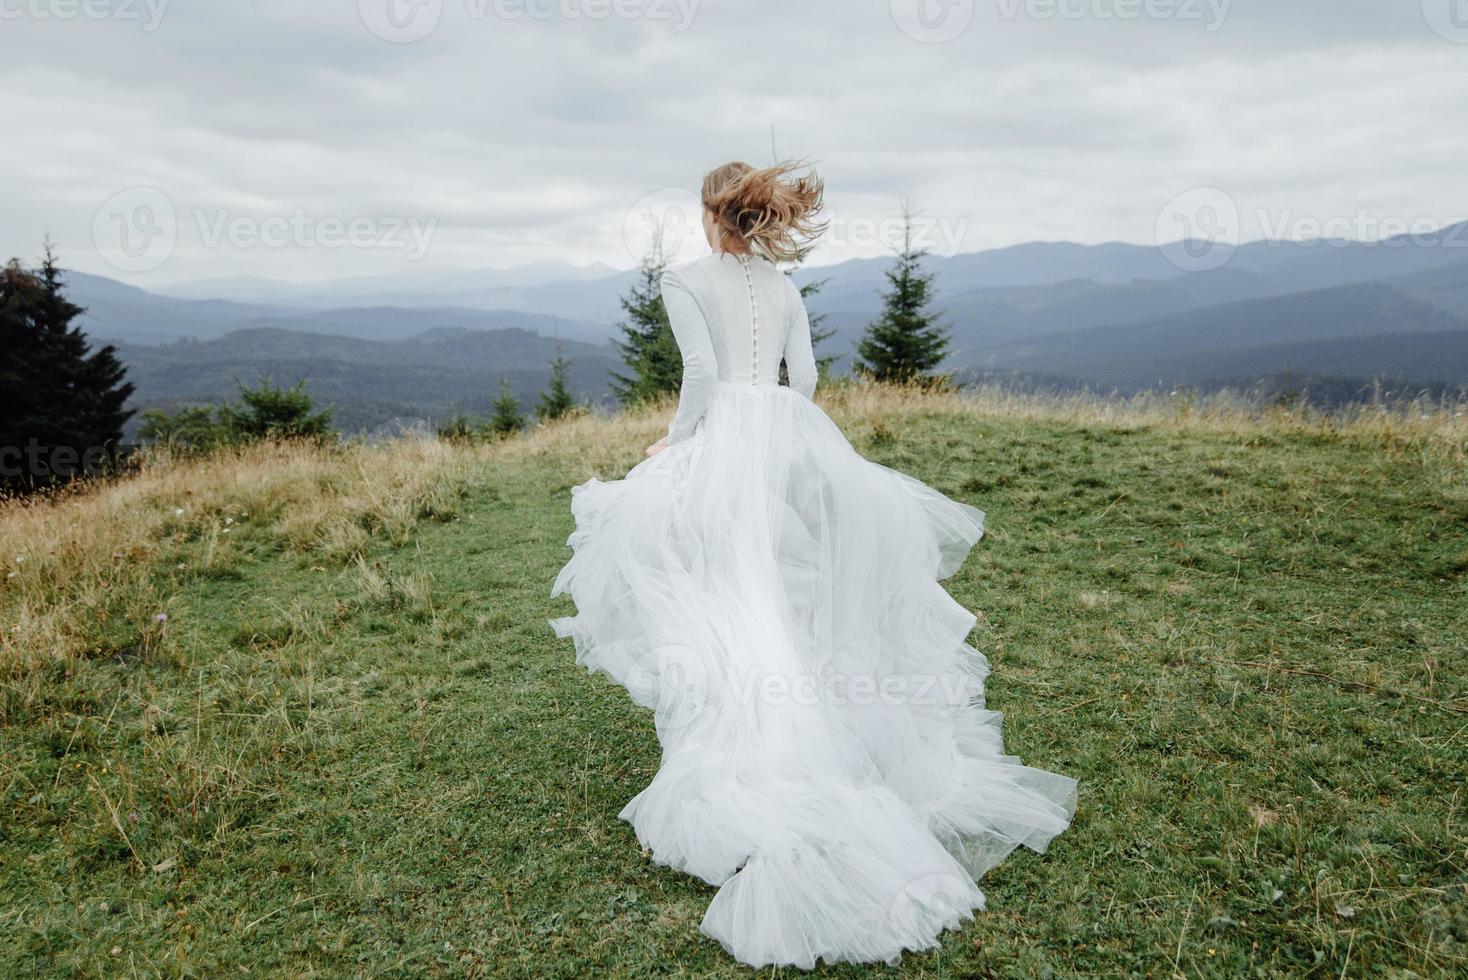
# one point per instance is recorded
(297, 712)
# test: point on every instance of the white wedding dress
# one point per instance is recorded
(774, 597)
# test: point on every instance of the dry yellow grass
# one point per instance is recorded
(80, 569)
(1436, 429)
(81, 566)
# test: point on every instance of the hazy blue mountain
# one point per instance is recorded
(1100, 314)
(1397, 360)
(1124, 272)
(597, 299)
(115, 311)
(1337, 370)
(1432, 269)
(1002, 313)
(858, 284)
(368, 381)
(1003, 293)
(1321, 264)
(427, 287)
(393, 323)
(118, 312)
(1445, 287)
(1208, 343)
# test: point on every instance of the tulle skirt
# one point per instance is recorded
(827, 759)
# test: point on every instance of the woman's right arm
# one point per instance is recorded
(699, 366)
(800, 357)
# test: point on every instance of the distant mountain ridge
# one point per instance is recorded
(1105, 316)
(1304, 332)
(1027, 287)
(408, 288)
(591, 293)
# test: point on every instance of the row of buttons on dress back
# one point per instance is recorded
(753, 321)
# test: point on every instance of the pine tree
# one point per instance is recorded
(648, 347)
(456, 428)
(556, 401)
(272, 412)
(61, 403)
(906, 343)
(192, 428)
(507, 417)
(817, 335)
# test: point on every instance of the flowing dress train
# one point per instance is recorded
(774, 598)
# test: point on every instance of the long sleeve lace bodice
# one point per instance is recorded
(735, 318)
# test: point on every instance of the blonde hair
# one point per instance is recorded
(772, 211)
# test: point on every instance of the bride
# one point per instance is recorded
(774, 598)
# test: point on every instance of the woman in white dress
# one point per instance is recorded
(827, 760)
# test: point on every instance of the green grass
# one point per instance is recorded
(1246, 641)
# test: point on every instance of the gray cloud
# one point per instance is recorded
(530, 138)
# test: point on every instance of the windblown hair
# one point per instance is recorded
(772, 211)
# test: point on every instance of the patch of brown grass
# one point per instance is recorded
(88, 572)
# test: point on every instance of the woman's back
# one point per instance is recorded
(736, 317)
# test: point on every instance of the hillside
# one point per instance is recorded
(298, 712)
(367, 382)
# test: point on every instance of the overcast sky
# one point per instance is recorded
(158, 141)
